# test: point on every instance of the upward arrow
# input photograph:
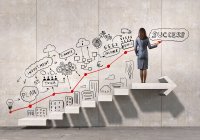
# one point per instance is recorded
(165, 83)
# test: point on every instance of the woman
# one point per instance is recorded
(141, 43)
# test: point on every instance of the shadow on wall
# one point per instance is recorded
(105, 114)
(61, 123)
(172, 104)
(122, 107)
(149, 101)
(126, 106)
(87, 117)
(114, 112)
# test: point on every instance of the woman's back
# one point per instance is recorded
(142, 44)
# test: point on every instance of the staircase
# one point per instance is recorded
(166, 84)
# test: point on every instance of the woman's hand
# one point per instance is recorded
(158, 42)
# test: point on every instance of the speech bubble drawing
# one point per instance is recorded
(67, 53)
(37, 66)
(111, 52)
(169, 34)
(29, 93)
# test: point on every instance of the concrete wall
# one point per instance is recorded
(24, 34)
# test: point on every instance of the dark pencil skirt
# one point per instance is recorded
(142, 63)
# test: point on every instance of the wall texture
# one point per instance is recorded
(27, 26)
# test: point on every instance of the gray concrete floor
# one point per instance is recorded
(101, 133)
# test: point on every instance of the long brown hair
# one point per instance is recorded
(142, 34)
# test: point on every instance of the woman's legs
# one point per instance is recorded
(144, 76)
(141, 75)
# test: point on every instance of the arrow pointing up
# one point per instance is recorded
(165, 83)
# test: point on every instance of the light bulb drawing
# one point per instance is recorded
(10, 102)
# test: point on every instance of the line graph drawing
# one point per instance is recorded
(72, 91)
(49, 73)
(71, 74)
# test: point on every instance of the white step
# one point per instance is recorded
(88, 104)
(56, 115)
(165, 83)
(121, 91)
(32, 122)
(72, 109)
(104, 98)
(150, 86)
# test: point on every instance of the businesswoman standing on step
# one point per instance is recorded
(141, 43)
